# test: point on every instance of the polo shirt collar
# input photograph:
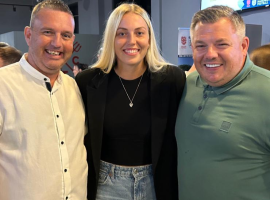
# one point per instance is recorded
(219, 90)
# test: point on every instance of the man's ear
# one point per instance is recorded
(192, 48)
(73, 37)
(245, 45)
(27, 34)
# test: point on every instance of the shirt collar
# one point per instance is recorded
(35, 73)
(219, 90)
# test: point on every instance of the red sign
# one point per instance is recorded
(183, 40)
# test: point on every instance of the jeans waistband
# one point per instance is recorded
(119, 170)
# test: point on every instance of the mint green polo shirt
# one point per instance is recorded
(223, 138)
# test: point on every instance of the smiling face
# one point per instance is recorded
(131, 41)
(50, 41)
(218, 52)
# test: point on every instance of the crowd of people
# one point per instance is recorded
(132, 125)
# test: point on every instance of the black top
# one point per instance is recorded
(127, 135)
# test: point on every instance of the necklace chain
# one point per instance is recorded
(131, 100)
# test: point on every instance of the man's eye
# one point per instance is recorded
(48, 32)
(200, 46)
(222, 45)
(67, 36)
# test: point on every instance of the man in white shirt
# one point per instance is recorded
(42, 156)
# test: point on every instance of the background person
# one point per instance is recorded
(3, 44)
(192, 69)
(9, 55)
(131, 95)
(261, 56)
(79, 67)
(42, 155)
(223, 123)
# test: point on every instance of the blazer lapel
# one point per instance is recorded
(159, 112)
(96, 97)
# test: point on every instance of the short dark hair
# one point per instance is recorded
(82, 66)
(58, 5)
(10, 55)
(215, 13)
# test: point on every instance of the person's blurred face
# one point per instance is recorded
(131, 40)
(76, 70)
(50, 41)
(218, 52)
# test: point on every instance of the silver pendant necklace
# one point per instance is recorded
(131, 100)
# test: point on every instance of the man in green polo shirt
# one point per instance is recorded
(223, 123)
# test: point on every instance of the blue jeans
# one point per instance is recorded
(125, 183)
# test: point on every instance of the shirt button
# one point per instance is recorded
(200, 107)
(66, 197)
(62, 142)
(205, 96)
(57, 116)
(65, 170)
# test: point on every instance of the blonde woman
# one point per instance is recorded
(131, 96)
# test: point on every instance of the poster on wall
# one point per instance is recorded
(185, 60)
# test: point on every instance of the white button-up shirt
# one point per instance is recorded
(42, 156)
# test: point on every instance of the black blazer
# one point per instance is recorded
(166, 91)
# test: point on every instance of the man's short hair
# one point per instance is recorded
(213, 14)
(9, 55)
(58, 5)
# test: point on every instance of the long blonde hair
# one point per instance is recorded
(107, 57)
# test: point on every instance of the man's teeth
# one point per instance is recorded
(53, 52)
(212, 65)
(131, 51)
